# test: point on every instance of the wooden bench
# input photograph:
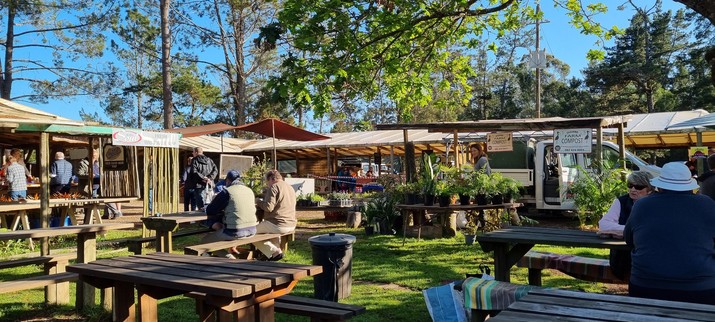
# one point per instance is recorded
(86, 236)
(584, 268)
(55, 276)
(137, 244)
(201, 249)
(317, 310)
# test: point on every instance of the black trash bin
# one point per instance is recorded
(335, 253)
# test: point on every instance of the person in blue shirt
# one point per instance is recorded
(60, 174)
(671, 234)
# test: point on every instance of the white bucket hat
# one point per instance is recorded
(674, 176)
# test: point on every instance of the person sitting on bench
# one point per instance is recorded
(279, 205)
(232, 213)
(613, 221)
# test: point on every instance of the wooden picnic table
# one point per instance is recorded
(444, 213)
(86, 247)
(561, 305)
(167, 224)
(510, 244)
(230, 288)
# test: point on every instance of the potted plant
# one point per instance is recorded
(427, 178)
(470, 227)
(482, 187)
(509, 188)
(302, 200)
(443, 191)
(317, 200)
(340, 199)
(381, 212)
(411, 192)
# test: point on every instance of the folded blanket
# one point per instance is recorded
(481, 294)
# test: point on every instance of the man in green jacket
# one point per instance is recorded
(232, 213)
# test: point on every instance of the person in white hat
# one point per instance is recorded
(672, 236)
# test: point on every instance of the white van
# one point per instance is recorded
(546, 175)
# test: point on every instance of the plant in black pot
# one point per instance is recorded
(443, 190)
(428, 178)
(509, 188)
(340, 199)
(381, 212)
(482, 187)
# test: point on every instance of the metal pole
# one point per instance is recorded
(538, 69)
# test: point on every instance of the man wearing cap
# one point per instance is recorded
(279, 205)
(232, 212)
(671, 234)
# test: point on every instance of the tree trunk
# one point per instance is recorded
(166, 65)
(238, 27)
(6, 81)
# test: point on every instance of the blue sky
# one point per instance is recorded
(557, 37)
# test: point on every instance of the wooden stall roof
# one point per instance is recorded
(513, 125)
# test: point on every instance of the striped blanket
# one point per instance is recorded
(481, 294)
(584, 268)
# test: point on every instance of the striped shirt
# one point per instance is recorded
(16, 177)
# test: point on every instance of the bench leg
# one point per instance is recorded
(535, 276)
(57, 293)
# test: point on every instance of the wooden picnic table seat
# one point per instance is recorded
(317, 310)
(201, 249)
(55, 276)
(136, 245)
(584, 268)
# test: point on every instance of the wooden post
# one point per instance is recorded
(621, 145)
(44, 189)
(455, 147)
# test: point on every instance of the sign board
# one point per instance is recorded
(572, 141)
(698, 152)
(234, 162)
(135, 137)
(114, 157)
(499, 142)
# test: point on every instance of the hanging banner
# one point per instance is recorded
(499, 142)
(698, 152)
(572, 141)
(135, 137)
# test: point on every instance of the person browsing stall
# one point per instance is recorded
(202, 173)
(279, 205)
(671, 235)
(15, 176)
(232, 212)
(479, 158)
(60, 174)
(614, 220)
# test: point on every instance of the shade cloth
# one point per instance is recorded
(280, 130)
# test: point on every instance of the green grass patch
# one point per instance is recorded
(388, 278)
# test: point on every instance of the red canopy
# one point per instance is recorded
(281, 130)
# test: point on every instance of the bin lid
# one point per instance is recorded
(332, 239)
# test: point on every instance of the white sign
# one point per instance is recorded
(135, 137)
(572, 141)
(499, 142)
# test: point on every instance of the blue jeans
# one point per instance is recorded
(189, 199)
(198, 198)
(14, 195)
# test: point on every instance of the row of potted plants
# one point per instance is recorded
(445, 182)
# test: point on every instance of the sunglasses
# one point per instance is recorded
(637, 187)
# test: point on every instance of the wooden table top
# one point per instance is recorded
(171, 221)
(549, 236)
(210, 275)
(35, 204)
(561, 305)
(60, 231)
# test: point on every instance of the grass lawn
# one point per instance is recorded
(388, 278)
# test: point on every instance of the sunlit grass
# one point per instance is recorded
(388, 278)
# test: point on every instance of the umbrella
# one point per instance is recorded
(703, 121)
(278, 129)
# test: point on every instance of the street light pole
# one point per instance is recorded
(538, 68)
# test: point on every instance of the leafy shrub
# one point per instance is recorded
(594, 192)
